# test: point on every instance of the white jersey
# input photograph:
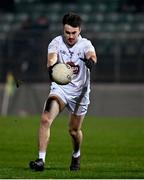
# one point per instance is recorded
(80, 84)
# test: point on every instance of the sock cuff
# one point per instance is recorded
(42, 155)
(76, 154)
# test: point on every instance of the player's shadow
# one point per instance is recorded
(47, 169)
(56, 168)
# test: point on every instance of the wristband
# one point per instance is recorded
(88, 62)
(50, 71)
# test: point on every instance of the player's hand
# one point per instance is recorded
(50, 71)
(88, 62)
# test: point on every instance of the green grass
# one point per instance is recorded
(112, 148)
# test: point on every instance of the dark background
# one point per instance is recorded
(115, 27)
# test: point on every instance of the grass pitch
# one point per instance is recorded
(112, 148)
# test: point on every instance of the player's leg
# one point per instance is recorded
(75, 131)
(52, 108)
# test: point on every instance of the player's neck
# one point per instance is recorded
(69, 45)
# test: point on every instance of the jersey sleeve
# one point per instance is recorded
(89, 47)
(53, 46)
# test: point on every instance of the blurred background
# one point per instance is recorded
(116, 29)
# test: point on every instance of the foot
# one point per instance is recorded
(75, 164)
(37, 165)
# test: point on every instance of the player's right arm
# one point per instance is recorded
(52, 55)
(51, 59)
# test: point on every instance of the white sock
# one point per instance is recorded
(42, 155)
(76, 154)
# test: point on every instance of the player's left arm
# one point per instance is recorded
(91, 55)
(90, 59)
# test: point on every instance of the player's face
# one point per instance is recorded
(71, 34)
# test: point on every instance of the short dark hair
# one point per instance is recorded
(72, 19)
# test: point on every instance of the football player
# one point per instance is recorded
(80, 54)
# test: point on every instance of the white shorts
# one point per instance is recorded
(73, 106)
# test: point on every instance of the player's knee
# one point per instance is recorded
(73, 131)
(45, 120)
